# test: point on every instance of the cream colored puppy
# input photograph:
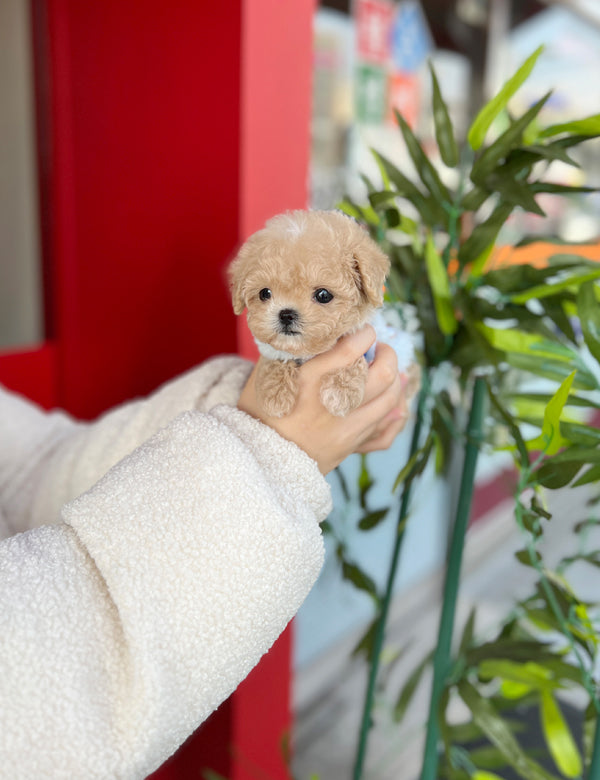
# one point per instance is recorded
(306, 279)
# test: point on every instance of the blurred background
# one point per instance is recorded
(371, 58)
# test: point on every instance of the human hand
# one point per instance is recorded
(328, 439)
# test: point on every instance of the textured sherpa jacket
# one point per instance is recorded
(171, 541)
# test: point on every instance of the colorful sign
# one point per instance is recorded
(373, 27)
(410, 39)
(371, 94)
(403, 96)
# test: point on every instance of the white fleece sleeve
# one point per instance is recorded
(48, 459)
(124, 626)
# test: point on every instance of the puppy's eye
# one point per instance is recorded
(322, 295)
(264, 294)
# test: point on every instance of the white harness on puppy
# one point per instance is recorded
(269, 352)
(399, 340)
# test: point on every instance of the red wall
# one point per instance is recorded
(168, 130)
(145, 122)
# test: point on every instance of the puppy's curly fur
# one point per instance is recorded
(306, 279)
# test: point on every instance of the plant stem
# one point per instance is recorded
(442, 658)
(595, 762)
(366, 721)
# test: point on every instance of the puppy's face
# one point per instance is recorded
(306, 279)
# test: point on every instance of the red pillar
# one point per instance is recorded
(169, 131)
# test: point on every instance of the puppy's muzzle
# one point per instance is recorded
(289, 321)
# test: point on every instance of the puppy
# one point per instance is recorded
(306, 279)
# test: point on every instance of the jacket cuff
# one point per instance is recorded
(295, 473)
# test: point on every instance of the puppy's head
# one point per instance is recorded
(307, 278)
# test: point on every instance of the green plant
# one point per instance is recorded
(494, 326)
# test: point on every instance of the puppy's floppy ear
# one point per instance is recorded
(237, 273)
(370, 267)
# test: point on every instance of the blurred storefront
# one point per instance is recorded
(371, 58)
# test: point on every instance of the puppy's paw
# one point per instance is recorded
(344, 389)
(277, 386)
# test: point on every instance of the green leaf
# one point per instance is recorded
(580, 433)
(510, 423)
(590, 724)
(409, 688)
(343, 483)
(524, 556)
(366, 643)
(482, 774)
(393, 217)
(484, 235)
(383, 198)
(499, 734)
(487, 758)
(499, 150)
(591, 475)
(444, 132)
(560, 189)
(551, 369)
(366, 215)
(372, 519)
(430, 211)
(427, 173)
(519, 341)
(551, 288)
(512, 279)
(544, 399)
(531, 674)
(523, 651)
(416, 464)
(559, 738)
(365, 482)
(589, 126)
(467, 635)
(478, 265)
(550, 439)
(490, 111)
(440, 288)
(405, 187)
(514, 690)
(525, 157)
(554, 309)
(474, 199)
(588, 310)
(554, 475)
(577, 454)
(518, 193)
(360, 580)
(326, 527)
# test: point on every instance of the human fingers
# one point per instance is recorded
(382, 373)
(385, 436)
(388, 427)
(368, 419)
(348, 349)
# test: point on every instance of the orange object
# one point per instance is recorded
(537, 253)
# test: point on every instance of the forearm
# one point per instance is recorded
(50, 459)
(127, 624)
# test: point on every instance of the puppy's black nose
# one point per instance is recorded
(288, 317)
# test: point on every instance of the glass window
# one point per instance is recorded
(20, 294)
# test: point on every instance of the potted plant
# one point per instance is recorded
(491, 324)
